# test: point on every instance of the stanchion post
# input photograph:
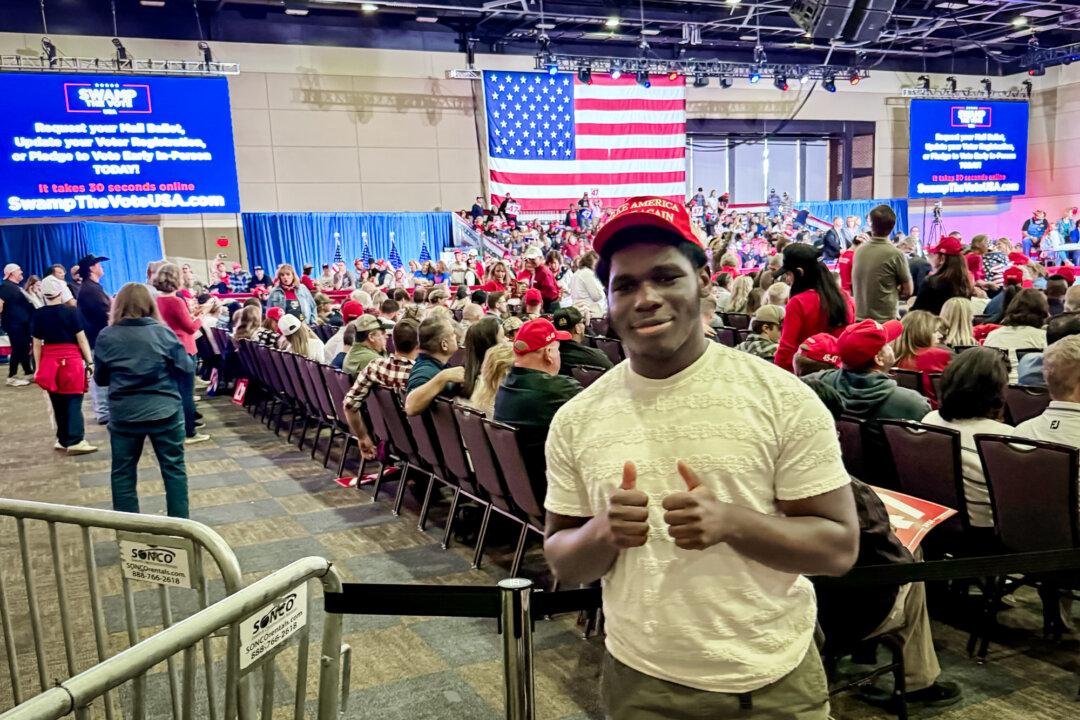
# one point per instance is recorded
(516, 627)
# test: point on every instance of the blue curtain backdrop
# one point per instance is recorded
(308, 238)
(827, 210)
(129, 247)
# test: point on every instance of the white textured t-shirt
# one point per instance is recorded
(713, 619)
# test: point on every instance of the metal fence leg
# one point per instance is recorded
(516, 626)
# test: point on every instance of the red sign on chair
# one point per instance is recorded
(238, 393)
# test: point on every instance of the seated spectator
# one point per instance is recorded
(461, 298)
(851, 614)
(370, 343)
(259, 279)
(586, 292)
(325, 313)
(843, 264)
(496, 304)
(511, 325)
(391, 372)
(347, 342)
(956, 323)
(1057, 288)
(574, 352)
(268, 335)
(364, 298)
(478, 297)
(246, 322)
(1030, 370)
(300, 339)
(1060, 422)
(917, 348)
(973, 401)
(740, 295)
(533, 392)
(483, 334)
(777, 294)
(470, 315)
(350, 310)
(755, 300)
(764, 336)
(496, 366)
(817, 353)
(431, 376)
(239, 280)
(1023, 323)
(534, 304)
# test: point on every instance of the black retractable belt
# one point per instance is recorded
(424, 600)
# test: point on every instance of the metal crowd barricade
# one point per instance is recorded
(260, 620)
(169, 552)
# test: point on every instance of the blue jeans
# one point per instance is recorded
(186, 385)
(167, 438)
(99, 401)
(67, 410)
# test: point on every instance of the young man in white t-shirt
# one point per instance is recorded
(700, 483)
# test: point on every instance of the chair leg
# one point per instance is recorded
(303, 432)
(427, 501)
(345, 455)
(899, 683)
(519, 554)
(378, 481)
(450, 518)
(315, 440)
(330, 446)
(401, 488)
(479, 555)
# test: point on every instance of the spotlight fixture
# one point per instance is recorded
(805, 77)
(612, 22)
(49, 49)
(552, 67)
(924, 82)
(1019, 21)
(780, 83)
(584, 74)
(369, 8)
(950, 84)
(296, 7)
(828, 82)
(755, 76)
(988, 88)
(854, 77)
(152, 3)
(673, 75)
(1027, 87)
(121, 51)
(1037, 71)
(208, 56)
(616, 72)
(701, 81)
(642, 78)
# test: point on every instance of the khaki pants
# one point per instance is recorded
(910, 621)
(627, 694)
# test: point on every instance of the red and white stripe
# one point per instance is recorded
(630, 140)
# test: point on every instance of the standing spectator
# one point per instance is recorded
(174, 313)
(918, 348)
(239, 280)
(537, 275)
(291, 295)
(143, 364)
(58, 272)
(832, 242)
(817, 304)
(370, 344)
(980, 245)
(1060, 422)
(32, 286)
(951, 277)
(586, 292)
(92, 304)
(259, 279)
(533, 302)
(497, 279)
(574, 352)
(880, 273)
(773, 202)
(497, 305)
(1022, 326)
(16, 309)
(844, 264)
(625, 505)
(956, 323)
(477, 208)
(64, 361)
(431, 376)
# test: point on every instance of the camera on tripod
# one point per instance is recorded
(937, 211)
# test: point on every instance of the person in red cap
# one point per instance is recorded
(950, 278)
(817, 353)
(267, 335)
(534, 391)
(701, 484)
(538, 276)
(534, 303)
(350, 310)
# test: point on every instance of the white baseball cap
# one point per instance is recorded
(52, 286)
(288, 324)
(10, 268)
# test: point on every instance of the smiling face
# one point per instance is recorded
(655, 298)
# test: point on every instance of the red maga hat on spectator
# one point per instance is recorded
(1019, 258)
(536, 335)
(859, 343)
(1013, 276)
(1067, 272)
(656, 212)
(949, 245)
(533, 297)
(351, 310)
(275, 313)
(820, 348)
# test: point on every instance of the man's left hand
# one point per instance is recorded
(695, 518)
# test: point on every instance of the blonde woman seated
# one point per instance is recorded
(300, 339)
(956, 323)
(918, 348)
(496, 366)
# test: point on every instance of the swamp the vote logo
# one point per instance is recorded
(107, 98)
(970, 116)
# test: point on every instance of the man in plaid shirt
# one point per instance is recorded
(391, 372)
(239, 280)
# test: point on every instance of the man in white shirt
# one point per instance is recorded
(700, 484)
(1060, 422)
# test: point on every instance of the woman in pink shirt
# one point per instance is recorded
(174, 313)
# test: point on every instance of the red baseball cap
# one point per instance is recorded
(1067, 272)
(275, 313)
(351, 310)
(536, 335)
(533, 297)
(859, 343)
(1019, 258)
(949, 245)
(660, 213)
(1013, 276)
(820, 348)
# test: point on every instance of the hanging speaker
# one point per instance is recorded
(823, 19)
(867, 20)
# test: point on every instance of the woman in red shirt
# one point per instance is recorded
(918, 348)
(847, 260)
(497, 278)
(175, 314)
(817, 304)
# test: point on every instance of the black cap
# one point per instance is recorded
(567, 318)
(91, 260)
(799, 256)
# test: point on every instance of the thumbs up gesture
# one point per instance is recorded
(695, 518)
(628, 512)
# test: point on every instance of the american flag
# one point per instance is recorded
(552, 138)
(395, 258)
(425, 254)
(365, 250)
(339, 257)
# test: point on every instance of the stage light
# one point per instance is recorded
(642, 78)
(805, 77)
(1037, 71)
(673, 75)
(584, 74)
(701, 81)
(924, 82)
(296, 8)
(853, 77)
(828, 82)
(726, 82)
(950, 84)
(754, 76)
(152, 3)
(780, 83)
(552, 68)
(987, 86)
(612, 22)
(121, 51)
(208, 56)
(616, 72)
(49, 49)
(369, 8)
(1019, 21)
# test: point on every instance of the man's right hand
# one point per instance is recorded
(454, 374)
(628, 513)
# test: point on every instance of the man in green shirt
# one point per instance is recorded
(574, 352)
(533, 392)
(370, 344)
(880, 276)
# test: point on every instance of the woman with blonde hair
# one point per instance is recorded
(740, 295)
(291, 295)
(300, 339)
(246, 321)
(497, 278)
(143, 364)
(498, 360)
(175, 314)
(918, 348)
(957, 319)
(777, 294)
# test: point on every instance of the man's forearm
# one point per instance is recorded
(417, 400)
(579, 555)
(356, 423)
(805, 545)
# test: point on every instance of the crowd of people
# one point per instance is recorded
(657, 457)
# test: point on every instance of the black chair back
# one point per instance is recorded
(393, 414)
(726, 336)
(1033, 492)
(337, 386)
(424, 436)
(1023, 402)
(448, 435)
(739, 321)
(850, 431)
(599, 326)
(586, 374)
(457, 359)
(928, 465)
(612, 348)
(910, 379)
(504, 442)
(741, 335)
(482, 455)
(1021, 352)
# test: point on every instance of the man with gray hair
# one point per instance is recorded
(15, 312)
(1060, 422)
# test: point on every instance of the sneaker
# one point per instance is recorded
(198, 398)
(196, 438)
(200, 383)
(58, 446)
(17, 382)
(82, 448)
(199, 424)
